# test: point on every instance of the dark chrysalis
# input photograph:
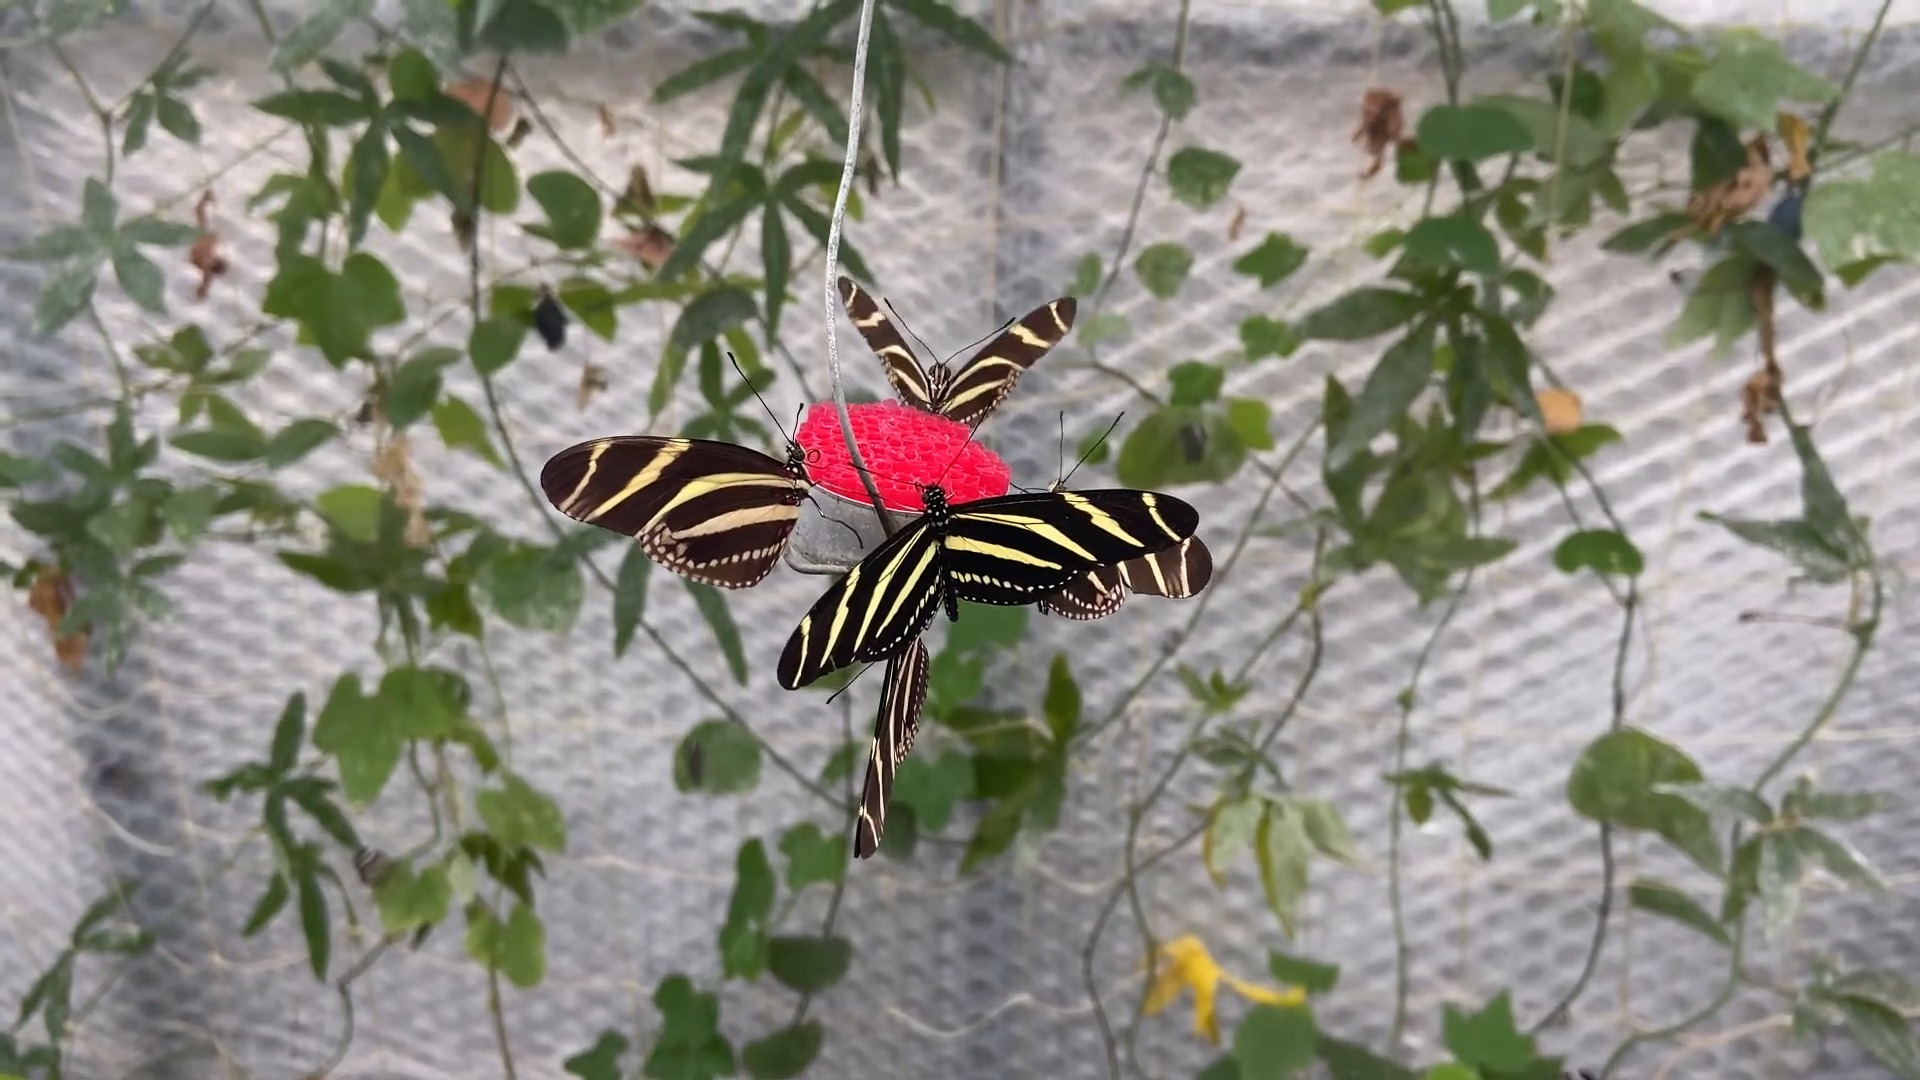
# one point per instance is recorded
(519, 134)
(371, 865)
(1193, 443)
(549, 319)
(695, 762)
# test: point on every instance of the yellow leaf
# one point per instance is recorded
(1793, 132)
(1185, 964)
(1559, 410)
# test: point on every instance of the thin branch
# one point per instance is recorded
(855, 108)
(1148, 170)
(1832, 111)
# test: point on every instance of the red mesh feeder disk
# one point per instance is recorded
(902, 446)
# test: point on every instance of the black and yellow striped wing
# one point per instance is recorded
(971, 392)
(713, 512)
(1176, 573)
(1013, 549)
(901, 696)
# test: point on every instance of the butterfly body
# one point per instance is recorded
(1008, 550)
(712, 512)
(970, 392)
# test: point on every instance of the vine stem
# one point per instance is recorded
(1147, 170)
(1832, 112)
(830, 291)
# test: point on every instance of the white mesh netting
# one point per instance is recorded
(1006, 185)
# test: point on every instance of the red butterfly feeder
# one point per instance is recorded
(902, 446)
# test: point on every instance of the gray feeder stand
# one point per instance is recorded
(834, 533)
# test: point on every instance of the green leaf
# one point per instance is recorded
(1250, 420)
(1173, 92)
(1720, 306)
(942, 19)
(718, 758)
(1261, 336)
(776, 255)
(601, 1061)
(524, 26)
(271, 903)
(327, 108)
(140, 277)
(1351, 1061)
(703, 72)
(1614, 781)
(188, 511)
(1362, 313)
(787, 1052)
(354, 509)
(1772, 247)
(408, 901)
(1840, 858)
(494, 343)
(1309, 975)
(1403, 372)
(461, 428)
(1283, 851)
(629, 597)
(315, 925)
(1061, 704)
(1195, 383)
(1275, 1041)
(1487, 1039)
(743, 939)
(304, 42)
(932, 788)
(809, 964)
(520, 815)
(812, 856)
(713, 608)
(534, 588)
(516, 948)
(572, 207)
(297, 440)
(1273, 261)
(1200, 177)
(1853, 221)
(1884, 1033)
(65, 295)
(1472, 132)
(1668, 901)
(288, 732)
(1603, 551)
(1749, 76)
(1795, 539)
(1824, 508)
(690, 1046)
(338, 311)
(1723, 801)
(222, 445)
(1163, 268)
(361, 736)
(415, 385)
(1454, 240)
(367, 168)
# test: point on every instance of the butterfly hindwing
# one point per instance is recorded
(901, 696)
(713, 512)
(1019, 549)
(1094, 596)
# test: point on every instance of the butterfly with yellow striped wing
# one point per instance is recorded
(1176, 573)
(1010, 549)
(977, 387)
(901, 695)
(713, 512)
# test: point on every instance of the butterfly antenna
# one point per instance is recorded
(902, 324)
(831, 698)
(756, 396)
(1061, 469)
(1091, 449)
(983, 339)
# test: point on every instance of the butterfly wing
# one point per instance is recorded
(909, 379)
(985, 380)
(1020, 549)
(713, 512)
(1176, 572)
(872, 612)
(1094, 596)
(901, 696)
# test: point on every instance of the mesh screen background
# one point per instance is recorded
(1006, 185)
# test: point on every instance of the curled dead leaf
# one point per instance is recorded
(1239, 221)
(639, 193)
(1559, 410)
(51, 596)
(393, 466)
(593, 379)
(1793, 132)
(1730, 199)
(607, 128)
(1759, 399)
(1383, 125)
(652, 245)
(485, 99)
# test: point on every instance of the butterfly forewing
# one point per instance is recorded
(870, 614)
(1177, 572)
(984, 381)
(710, 511)
(1019, 549)
(909, 379)
(901, 696)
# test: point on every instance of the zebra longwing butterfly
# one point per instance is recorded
(973, 391)
(713, 512)
(1011, 549)
(1176, 572)
(901, 696)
